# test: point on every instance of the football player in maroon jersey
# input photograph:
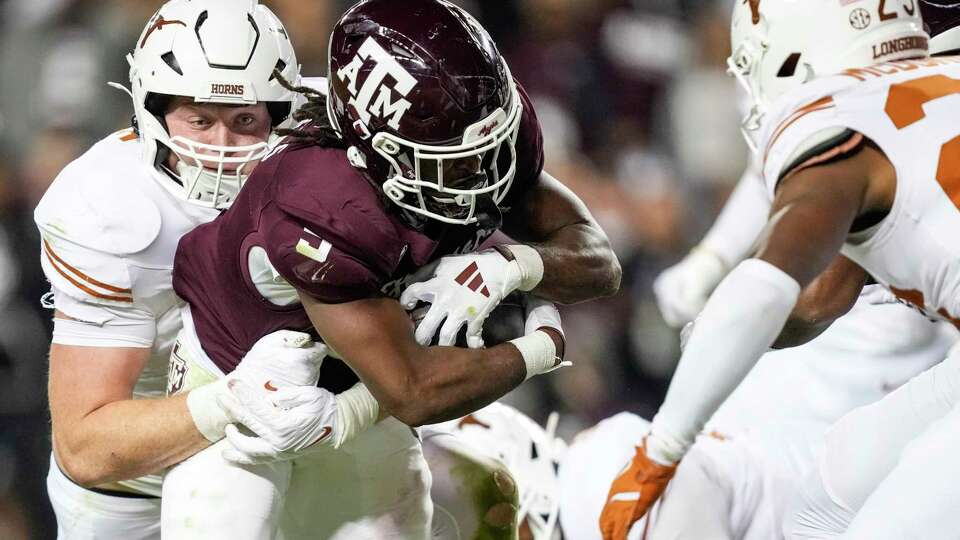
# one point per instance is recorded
(425, 147)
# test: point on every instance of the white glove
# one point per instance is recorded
(538, 349)
(465, 289)
(288, 423)
(283, 358)
(683, 289)
(539, 313)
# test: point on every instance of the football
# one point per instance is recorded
(506, 322)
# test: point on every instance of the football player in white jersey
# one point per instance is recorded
(207, 104)
(736, 482)
(858, 162)
(853, 480)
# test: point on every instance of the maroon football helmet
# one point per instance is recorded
(427, 106)
(942, 21)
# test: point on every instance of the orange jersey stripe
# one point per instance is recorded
(843, 148)
(53, 256)
(83, 287)
(818, 105)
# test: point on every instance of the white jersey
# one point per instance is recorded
(110, 232)
(911, 111)
(744, 488)
(763, 437)
(792, 396)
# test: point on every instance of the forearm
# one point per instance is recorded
(738, 324)
(127, 439)
(578, 265)
(450, 382)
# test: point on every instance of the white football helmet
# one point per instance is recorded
(214, 51)
(531, 453)
(780, 44)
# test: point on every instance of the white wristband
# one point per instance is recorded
(531, 266)
(208, 416)
(357, 410)
(539, 353)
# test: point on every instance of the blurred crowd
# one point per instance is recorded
(638, 116)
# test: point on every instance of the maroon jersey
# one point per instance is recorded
(326, 232)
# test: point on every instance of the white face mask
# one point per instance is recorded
(208, 186)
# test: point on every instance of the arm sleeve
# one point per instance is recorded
(97, 325)
(739, 323)
(736, 229)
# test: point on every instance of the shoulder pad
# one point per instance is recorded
(98, 203)
(794, 127)
(821, 146)
(315, 262)
(320, 188)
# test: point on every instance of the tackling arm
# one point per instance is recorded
(100, 433)
(417, 385)
(578, 262)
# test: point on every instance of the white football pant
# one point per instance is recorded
(87, 515)
(886, 469)
(375, 487)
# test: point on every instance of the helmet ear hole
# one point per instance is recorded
(789, 67)
(171, 60)
(279, 111)
(156, 104)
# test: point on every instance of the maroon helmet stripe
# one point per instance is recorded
(467, 272)
(476, 283)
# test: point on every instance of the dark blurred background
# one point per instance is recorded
(638, 117)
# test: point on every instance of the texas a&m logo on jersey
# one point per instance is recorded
(176, 371)
(377, 96)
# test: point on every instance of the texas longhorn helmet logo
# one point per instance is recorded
(375, 97)
(158, 25)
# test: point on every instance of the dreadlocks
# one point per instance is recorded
(318, 131)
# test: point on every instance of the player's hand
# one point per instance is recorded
(462, 290)
(633, 493)
(683, 289)
(540, 314)
(283, 358)
(288, 423)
